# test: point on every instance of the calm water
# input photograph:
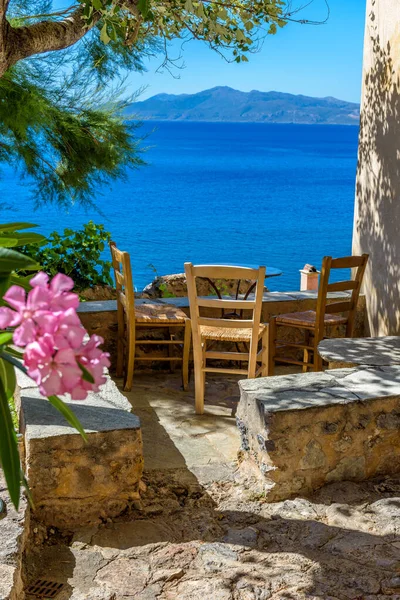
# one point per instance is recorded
(277, 195)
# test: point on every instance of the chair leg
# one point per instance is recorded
(271, 347)
(317, 360)
(264, 354)
(130, 363)
(120, 342)
(186, 352)
(306, 353)
(199, 379)
(170, 352)
(252, 365)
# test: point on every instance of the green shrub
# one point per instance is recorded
(76, 254)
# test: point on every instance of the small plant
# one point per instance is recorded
(76, 254)
(163, 288)
(222, 287)
(164, 291)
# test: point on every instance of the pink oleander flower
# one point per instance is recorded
(55, 371)
(25, 307)
(65, 327)
(49, 329)
(58, 288)
(35, 313)
(94, 360)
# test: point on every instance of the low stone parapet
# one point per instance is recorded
(350, 352)
(100, 317)
(76, 483)
(304, 431)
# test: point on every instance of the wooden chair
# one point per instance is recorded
(313, 322)
(150, 316)
(223, 329)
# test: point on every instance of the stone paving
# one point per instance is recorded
(11, 534)
(204, 531)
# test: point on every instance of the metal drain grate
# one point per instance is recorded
(45, 589)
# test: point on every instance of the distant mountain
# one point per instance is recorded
(227, 104)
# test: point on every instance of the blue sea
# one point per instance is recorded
(245, 193)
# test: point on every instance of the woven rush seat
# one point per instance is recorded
(159, 313)
(227, 334)
(308, 318)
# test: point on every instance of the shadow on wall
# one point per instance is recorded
(377, 214)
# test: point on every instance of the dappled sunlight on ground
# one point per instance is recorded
(204, 531)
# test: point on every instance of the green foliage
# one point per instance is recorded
(9, 456)
(60, 117)
(11, 262)
(222, 287)
(76, 254)
(58, 138)
(12, 237)
(60, 113)
(61, 123)
(233, 28)
(164, 291)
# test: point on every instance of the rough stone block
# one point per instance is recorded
(12, 538)
(350, 352)
(306, 430)
(73, 482)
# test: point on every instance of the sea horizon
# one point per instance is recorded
(281, 195)
(147, 120)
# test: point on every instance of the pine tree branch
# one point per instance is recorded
(4, 28)
(17, 43)
(46, 36)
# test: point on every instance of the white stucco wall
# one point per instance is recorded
(377, 205)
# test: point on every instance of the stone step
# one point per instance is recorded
(72, 482)
(306, 430)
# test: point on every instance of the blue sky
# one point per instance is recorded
(323, 60)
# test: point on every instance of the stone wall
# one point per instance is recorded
(74, 482)
(101, 317)
(377, 206)
(13, 531)
(303, 431)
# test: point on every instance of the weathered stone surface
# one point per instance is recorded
(74, 482)
(378, 351)
(11, 547)
(200, 538)
(317, 428)
(98, 292)
(299, 549)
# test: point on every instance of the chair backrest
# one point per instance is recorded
(225, 272)
(358, 264)
(121, 263)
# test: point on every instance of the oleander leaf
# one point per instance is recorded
(68, 414)
(9, 456)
